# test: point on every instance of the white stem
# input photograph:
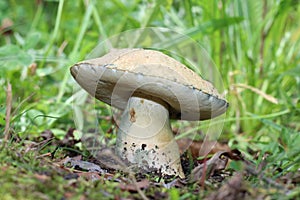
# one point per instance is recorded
(145, 137)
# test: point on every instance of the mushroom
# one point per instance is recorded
(151, 88)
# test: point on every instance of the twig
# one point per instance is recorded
(44, 155)
(8, 112)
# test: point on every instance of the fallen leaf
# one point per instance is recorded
(195, 146)
(82, 165)
(110, 160)
(215, 164)
(235, 155)
(233, 189)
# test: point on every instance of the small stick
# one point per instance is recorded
(8, 112)
(44, 155)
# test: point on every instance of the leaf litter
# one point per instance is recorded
(209, 173)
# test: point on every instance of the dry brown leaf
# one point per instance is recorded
(216, 163)
(232, 190)
(195, 146)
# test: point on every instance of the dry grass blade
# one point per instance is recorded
(8, 111)
(259, 92)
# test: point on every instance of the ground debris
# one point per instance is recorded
(205, 170)
(195, 146)
(69, 139)
(41, 177)
(291, 178)
(133, 187)
(178, 183)
(232, 190)
(82, 165)
(92, 176)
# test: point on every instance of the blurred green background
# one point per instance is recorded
(254, 44)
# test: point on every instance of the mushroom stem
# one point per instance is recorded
(145, 137)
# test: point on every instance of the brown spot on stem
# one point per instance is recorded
(132, 115)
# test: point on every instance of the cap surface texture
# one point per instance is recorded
(122, 73)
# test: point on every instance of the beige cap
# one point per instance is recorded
(149, 74)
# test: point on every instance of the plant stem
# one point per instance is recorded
(8, 112)
(56, 28)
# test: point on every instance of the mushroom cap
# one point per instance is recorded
(122, 73)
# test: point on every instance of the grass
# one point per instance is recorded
(23, 179)
(255, 46)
